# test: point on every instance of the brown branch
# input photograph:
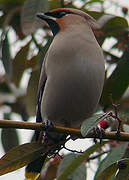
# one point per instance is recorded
(39, 126)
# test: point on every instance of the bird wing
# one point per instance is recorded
(42, 82)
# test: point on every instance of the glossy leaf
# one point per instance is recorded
(50, 167)
(9, 138)
(79, 160)
(32, 62)
(79, 173)
(111, 24)
(44, 50)
(31, 96)
(4, 88)
(116, 155)
(6, 56)
(30, 23)
(123, 173)
(6, 2)
(94, 1)
(104, 19)
(54, 4)
(108, 173)
(90, 123)
(117, 83)
(95, 14)
(19, 64)
(20, 156)
(19, 108)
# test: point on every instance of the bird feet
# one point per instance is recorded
(43, 136)
(99, 133)
(52, 140)
(47, 138)
(51, 137)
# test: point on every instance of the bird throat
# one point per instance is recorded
(54, 26)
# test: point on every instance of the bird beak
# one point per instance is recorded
(51, 21)
(44, 17)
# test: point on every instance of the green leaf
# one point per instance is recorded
(32, 63)
(9, 138)
(116, 23)
(31, 96)
(54, 4)
(19, 107)
(19, 64)
(95, 14)
(108, 173)
(4, 87)
(6, 56)
(117, 83)
(112, 24)
(30, 23)
(116, 155)
(20, 156)
(9, 2)
(79, 173)
(90, 123)
(79, 160)
(123, 172)
(94, 1)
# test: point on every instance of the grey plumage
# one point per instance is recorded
(72, 75)
(73, 72)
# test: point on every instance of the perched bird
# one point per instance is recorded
(72, 75)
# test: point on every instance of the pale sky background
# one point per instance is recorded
(25, 135)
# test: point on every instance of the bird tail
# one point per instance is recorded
(33, 169)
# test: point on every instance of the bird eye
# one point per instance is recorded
(63, 13)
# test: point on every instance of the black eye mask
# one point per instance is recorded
(58, 14)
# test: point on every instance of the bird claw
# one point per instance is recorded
(52, 137)
(49, 124)
(47, 138)
(99, 133)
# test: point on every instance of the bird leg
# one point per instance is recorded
(99, 133)
(52, 138)
(47, 138)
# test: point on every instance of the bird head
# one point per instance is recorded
(62, 18)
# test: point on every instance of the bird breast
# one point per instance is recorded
(75, 76)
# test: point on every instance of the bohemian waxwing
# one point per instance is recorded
(72, 75)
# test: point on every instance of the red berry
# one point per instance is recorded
(124, 10)
(104, 124)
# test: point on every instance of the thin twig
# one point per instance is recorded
(98, 155)
(73, 151)
(40, 127)
(36, 43)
